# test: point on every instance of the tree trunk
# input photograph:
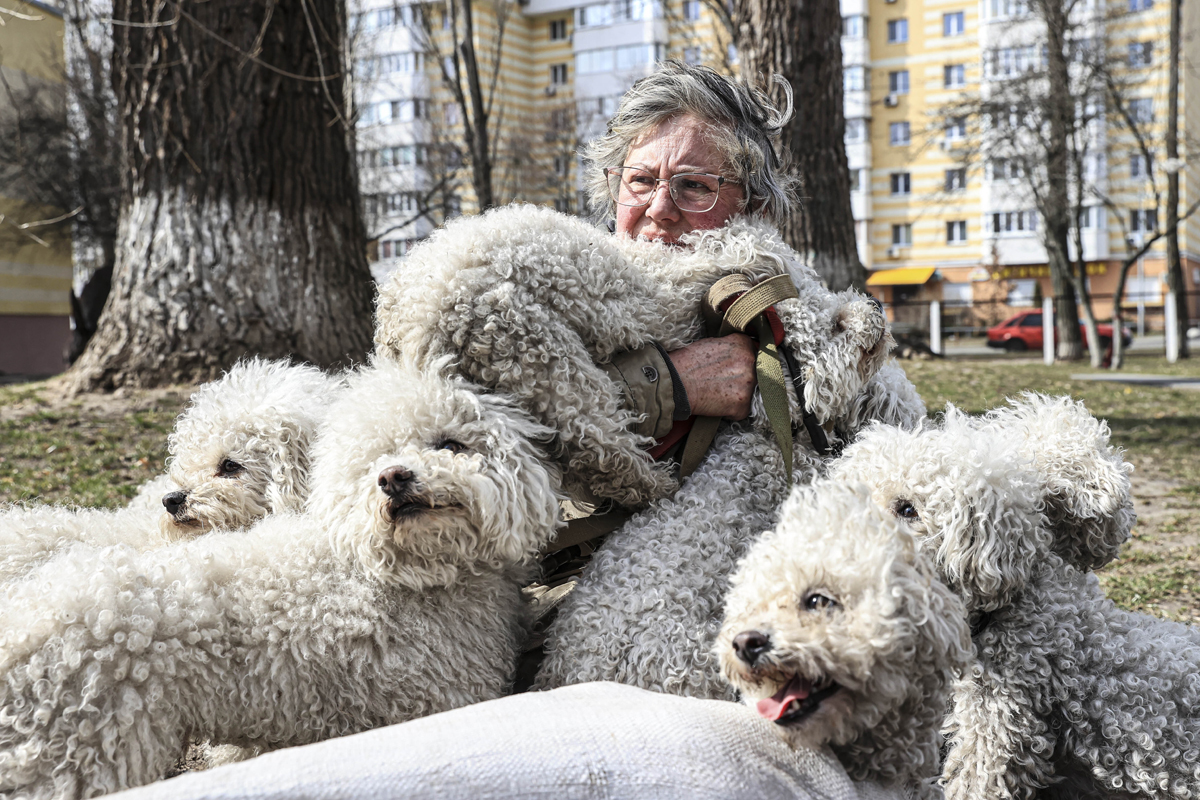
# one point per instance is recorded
(801, 40)
(1118, 319)
(1174, 265)
(1060, 116)
(239, 229)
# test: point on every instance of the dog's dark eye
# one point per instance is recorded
(228, 468)
(815, 601)
(453, 446)
(905, 510)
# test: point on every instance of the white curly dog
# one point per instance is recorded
(395, 595)
(238, 452)
(529, 302)
(837, 629)
(1070, 696)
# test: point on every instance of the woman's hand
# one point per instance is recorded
(718, 375)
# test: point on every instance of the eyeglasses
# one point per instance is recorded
(691, 191)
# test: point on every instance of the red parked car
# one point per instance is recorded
(1024, 332)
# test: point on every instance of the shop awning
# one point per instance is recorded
(906, 276)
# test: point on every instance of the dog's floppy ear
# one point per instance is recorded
(289, 468)
(1086, 481)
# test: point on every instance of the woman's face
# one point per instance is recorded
(677, 145)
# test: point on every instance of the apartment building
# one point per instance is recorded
(35, 260)
(937, 215)
(563, 65)
(943, 216)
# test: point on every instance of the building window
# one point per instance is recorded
(691, 10)
(1141, 54)
(450, 113)
(1093, 217)
(558, 30)
(957, 295)
(899, 133)
(956, 129)
(854, 26)
(1142, 109)
(608, 59)
(1143, 220)
(1005, 62)
(1020, 295)
(898, 82)
(1000, 9)
(953, 24)
(902, 235)
(1004, 169)
(954, 76)
(956, 232)
(1012, 222)
(901, 182)
(561, 165)
(897, 31)
(691, 55)
(1140, 5)
(854, 79)
(1137, 166)
(956, 179)
(859, 180)
(856, 130)
(558, 74)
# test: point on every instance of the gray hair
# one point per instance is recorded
(742, 123)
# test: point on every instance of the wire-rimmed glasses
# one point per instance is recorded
(691, 191)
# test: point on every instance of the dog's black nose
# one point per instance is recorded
(174, 501)
(750, 645)
(395, 481)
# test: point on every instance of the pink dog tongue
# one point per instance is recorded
(775, 706)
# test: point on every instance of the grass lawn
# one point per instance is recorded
(96, 450)
(1159, 429)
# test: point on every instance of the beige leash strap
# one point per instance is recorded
(718, 293)
(755, 301)
(699, 439)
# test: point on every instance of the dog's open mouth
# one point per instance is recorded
(402, 508)
(798, 698)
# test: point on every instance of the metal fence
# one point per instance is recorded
(958, 321)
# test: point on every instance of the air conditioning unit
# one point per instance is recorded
(893, 252)
(551, 91)
(891, 101)
(889, 1)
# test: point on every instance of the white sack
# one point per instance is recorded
(593, 741)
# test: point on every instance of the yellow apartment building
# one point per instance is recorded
(35, 262)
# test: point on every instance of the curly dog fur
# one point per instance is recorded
(837, 629)
(395, 595)
(647, 609)
(1070, 696)
(262, 416)
(530, 301)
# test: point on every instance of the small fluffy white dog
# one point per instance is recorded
(1070, 696)
(530, 301)
(838, 630)
(394, 596)
(238, 452)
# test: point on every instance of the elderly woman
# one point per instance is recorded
(687, 150)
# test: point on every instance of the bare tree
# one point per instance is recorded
(471, 78)
(239, 228)
(800, 40)
(1174, 265)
